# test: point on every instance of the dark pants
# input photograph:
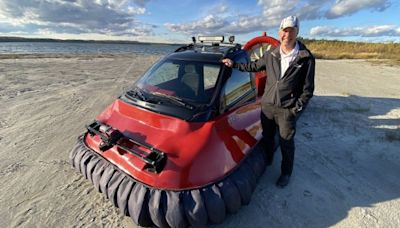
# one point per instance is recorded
(272, 118)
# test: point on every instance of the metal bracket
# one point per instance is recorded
(155, 159)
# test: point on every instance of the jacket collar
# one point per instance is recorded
(303, 52)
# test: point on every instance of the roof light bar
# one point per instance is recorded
(231, 39)
(211, 39)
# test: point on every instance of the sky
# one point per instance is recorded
(176, 21)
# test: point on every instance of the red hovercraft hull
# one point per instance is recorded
(198, 153)
(211, 168)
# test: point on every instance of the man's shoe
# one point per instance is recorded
(283, 180)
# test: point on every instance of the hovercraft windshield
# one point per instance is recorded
(187, 81)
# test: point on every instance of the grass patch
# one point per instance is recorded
(380, 53)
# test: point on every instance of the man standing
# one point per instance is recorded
(290, 71)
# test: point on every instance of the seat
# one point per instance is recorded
(193, 86)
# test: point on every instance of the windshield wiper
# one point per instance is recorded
(137, 92)
(175, 100)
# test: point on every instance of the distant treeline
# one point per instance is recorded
(335, 49)
(22, 39)
(322, 49)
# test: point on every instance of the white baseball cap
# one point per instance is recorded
(290, 21)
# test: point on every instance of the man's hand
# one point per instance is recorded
(227, 62)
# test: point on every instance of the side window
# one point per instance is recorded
(210, 75)
(238, 86)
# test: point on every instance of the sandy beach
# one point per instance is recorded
(347, 146)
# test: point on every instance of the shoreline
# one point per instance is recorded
(70, 56)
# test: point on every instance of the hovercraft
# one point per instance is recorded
(180, 147)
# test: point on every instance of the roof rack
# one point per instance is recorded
(211, 42)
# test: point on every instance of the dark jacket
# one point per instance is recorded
(295, 88)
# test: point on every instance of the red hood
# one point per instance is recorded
(197, 153)
(158, 130)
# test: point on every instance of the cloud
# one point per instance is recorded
(372, 31)
(272, 12)
(219, 20)
(349, 7)
(111, 17)
(230, 22)
(311, 10)
(204, 26)
(275, 9)
(218, 9)
(120, 17)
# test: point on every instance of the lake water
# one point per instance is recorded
(83, 48)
